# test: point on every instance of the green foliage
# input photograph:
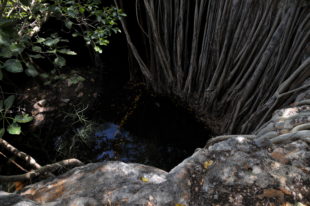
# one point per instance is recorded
(14, 129)
(12, 123)
(8, 102)
(22, 44)
(71, 78)
(21, 20)
(13, 65)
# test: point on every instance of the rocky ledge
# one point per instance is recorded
(270, 167)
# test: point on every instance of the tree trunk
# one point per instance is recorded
(233, 62)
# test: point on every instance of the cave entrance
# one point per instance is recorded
(158, 132)
(140, 126)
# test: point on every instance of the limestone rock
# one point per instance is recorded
(232, 172)
(8, 199)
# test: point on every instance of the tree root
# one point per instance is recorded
(225, 137)
(291, 137)
(30, 160)
(40, 171)
(305, 126)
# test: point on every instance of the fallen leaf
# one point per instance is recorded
(207, 164)
(144, 179)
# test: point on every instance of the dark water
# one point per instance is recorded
(157, 133)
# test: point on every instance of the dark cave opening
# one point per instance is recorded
(166, 131)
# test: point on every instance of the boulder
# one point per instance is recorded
(9, 199)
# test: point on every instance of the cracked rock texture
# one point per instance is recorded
(271, 167)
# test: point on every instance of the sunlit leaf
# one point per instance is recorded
(8, 102)
(2, 131)
(53, 51)
(67, 51)
(14, 129)
(98, 49)
(51, 42)
(24, 118)
(68, 24)
(13, 65)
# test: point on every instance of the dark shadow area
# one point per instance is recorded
(171, 132)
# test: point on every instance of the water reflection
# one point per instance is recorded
(117, 144)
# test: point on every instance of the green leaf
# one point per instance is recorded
(36, 56)
(13, 65)
(31, 71)
(36, 49)
(40, 40)
(2, 131)
(6, 52)
(75, 79)
(81, 10)
(44, 75)
(53, 51)
(8, 102)
(23, 118)
(51, 42)
(16, 48)
(67, 51)
(14, 129)
(98, 49)
(68, 24)
(60, 61)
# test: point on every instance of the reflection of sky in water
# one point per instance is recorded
(117, 144)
